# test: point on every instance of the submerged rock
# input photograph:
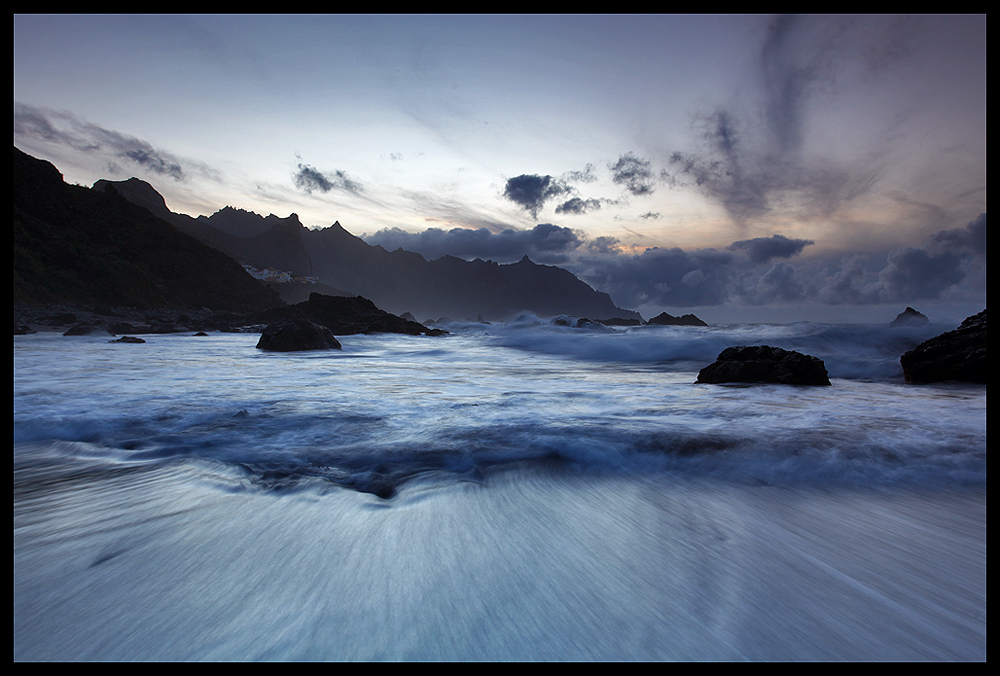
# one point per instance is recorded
(910, 317)
(128, 339)
(764, 364)
(295, 335)
(956, 355)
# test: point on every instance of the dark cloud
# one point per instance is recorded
(970, 239)
(634, 173)
(65, 129)
(308, 178)
(531, 191)
(663, 277)
(951, 264)
(577, 205)
(762, 249)
(545, 243)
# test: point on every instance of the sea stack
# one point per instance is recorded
(910, 317)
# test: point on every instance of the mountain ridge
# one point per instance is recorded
(81, 246)
(398, 281)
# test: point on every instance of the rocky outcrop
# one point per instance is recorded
(956, 355)
(764, 364)
(664, 319)
(346, 316)
(910, 317)
(296, 335)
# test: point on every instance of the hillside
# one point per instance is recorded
(74, 245)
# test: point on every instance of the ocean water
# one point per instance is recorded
(525, 491)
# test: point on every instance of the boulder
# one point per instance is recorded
(128, 339)
(295, 335)
(764, 364)
(910, 317)
(346, 316)
(956, 355)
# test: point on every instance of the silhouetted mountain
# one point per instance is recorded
(94, 247)
(403, 281)
(243, 235)
(398, 281)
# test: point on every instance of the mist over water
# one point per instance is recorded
(519, 491)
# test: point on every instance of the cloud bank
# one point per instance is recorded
(34, 124)
(750, 272)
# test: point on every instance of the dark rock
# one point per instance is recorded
(665, 319)
(295, 335)
(956, 355)
(80, 330)
(128, 339)
(909, 317)
(764, 364)
(618, 321)
(347, 316)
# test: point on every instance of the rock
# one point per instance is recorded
(80, 330)
(128, 339)
(909, 317)
(764, 364)
(295, 335)
(618, 321)
(665, 319)
(346, 316)
(956, 355)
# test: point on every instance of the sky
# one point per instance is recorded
(739, 167)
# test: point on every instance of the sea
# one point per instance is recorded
(525, 491)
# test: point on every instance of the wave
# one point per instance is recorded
(286, 452)
(853, 351)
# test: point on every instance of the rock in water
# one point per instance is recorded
(955, 355)
(910, 317)
(297, 334)
(665, 319)
(764, 364)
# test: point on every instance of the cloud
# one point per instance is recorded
(531, 191)
(762, 249)
(577, 205)
(951, 264)
(35, 124)
(309, 178)
(545, 243)
(634, 173)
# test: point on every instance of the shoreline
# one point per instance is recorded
(530, 566)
